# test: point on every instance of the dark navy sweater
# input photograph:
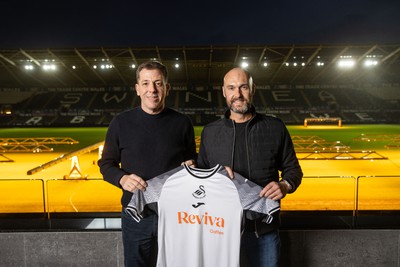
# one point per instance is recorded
(145, 145)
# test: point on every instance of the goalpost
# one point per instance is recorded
(323, 121)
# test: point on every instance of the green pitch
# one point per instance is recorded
(379, 135)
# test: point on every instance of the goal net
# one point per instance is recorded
(322, 121)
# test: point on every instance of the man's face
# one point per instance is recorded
(237, 91)
(152, 89)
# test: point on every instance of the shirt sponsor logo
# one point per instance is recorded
(216, 232)
(204, 219)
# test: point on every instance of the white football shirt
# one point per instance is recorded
(200, 215)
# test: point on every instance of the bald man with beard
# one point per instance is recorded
(260, 148)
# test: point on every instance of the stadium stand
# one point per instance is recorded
(93, 107)
(293, 81)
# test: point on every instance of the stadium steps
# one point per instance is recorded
(305, 99)
(64, 157)
(91, 101)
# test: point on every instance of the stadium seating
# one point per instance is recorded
(96, 106)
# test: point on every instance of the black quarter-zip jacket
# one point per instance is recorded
(270, 150)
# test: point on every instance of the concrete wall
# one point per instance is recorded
(306, 248)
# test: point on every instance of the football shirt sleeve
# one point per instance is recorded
(147, 200)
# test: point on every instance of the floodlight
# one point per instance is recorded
(370, 63)
(346, 63)
(49, 67)
(106, 66)
(244, 64)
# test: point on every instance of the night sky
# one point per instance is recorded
(176, 23)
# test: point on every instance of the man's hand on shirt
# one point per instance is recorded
(132, 182)
(230, 172)
(190, 163)
(274, 190)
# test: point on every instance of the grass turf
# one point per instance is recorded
(346, 135)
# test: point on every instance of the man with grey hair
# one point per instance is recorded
(258, 147)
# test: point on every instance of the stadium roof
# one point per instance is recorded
(201, 65)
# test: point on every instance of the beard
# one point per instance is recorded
(244, 109)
